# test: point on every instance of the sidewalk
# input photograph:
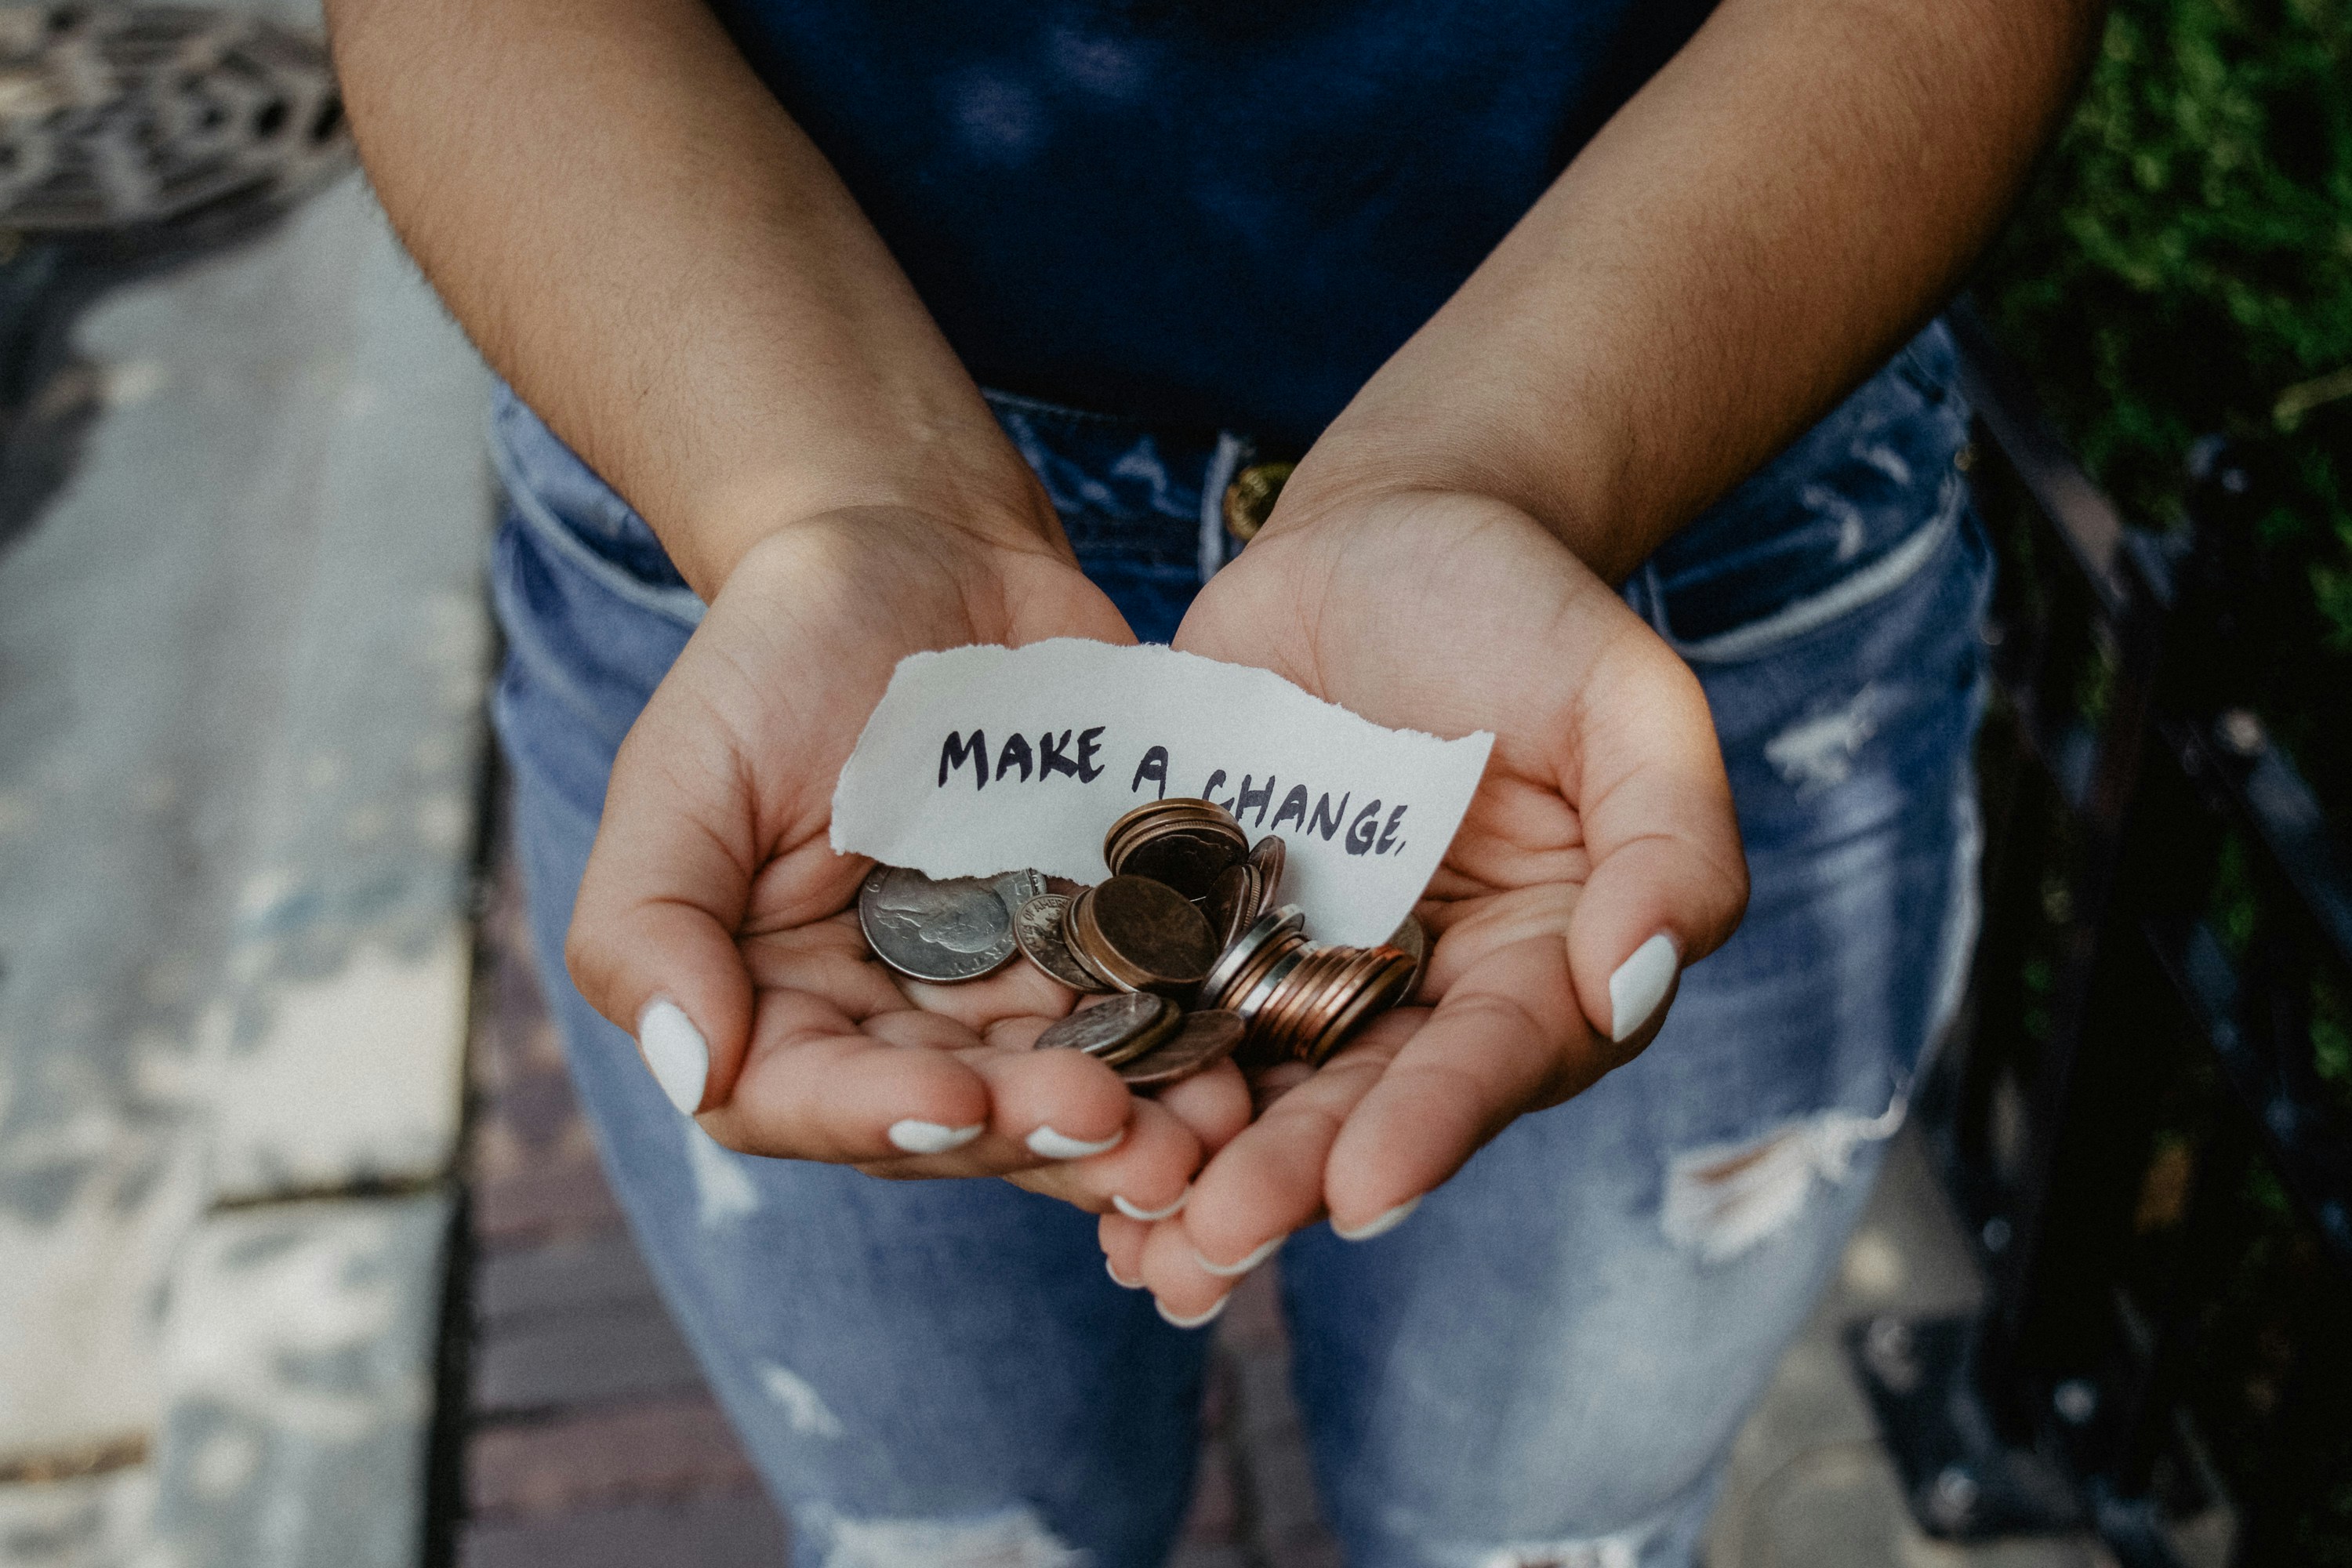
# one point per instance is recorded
(241, 666)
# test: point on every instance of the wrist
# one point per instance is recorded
(1370, 460)
(729, 525)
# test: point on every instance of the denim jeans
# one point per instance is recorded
(1547, 1362)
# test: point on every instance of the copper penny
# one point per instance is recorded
(1234, 902)
(1145, 934)
(1269, 858)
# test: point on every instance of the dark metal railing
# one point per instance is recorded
(2144, 1115)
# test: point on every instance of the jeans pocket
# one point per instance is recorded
(1848, 512)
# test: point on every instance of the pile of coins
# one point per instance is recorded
(1183, 938)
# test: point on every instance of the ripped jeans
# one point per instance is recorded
(1547, 1364)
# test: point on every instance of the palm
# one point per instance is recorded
(1603, 818)
(714, 881)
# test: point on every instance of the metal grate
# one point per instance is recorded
(138, 117)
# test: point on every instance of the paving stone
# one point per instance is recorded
(589, 1358)
(238, 733)
(86, 1521)
(598, 1273)
(299, 1357)
(566, 1196)
(739, 1531)
(603, 1458)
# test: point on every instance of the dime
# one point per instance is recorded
(952, 929)
(1106, 1026)
(1269, 858)
(1234, 902)
(1205, 1038)
(1144, 935)
(1038, 928)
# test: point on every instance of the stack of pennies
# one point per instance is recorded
(1183, 938)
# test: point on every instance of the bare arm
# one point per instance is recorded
(641, 241)
(644, 244)
(1748, 237)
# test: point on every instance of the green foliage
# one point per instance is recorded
(2183, 267)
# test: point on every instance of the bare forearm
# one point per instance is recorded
(1752, 235)
(643, 243)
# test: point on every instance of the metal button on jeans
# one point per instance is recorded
(1249, 500)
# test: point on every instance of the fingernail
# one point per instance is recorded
(1379, 1225)
(1049, 1144)
(1229, 1270)
(1122, 1284)
(931, 1138)
(1131, 1212)
(1640, 984)
(674, 1049)
(1195, 1321)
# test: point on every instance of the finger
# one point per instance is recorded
(1269, 1180)
(1052, 1106)
(1508, 1037)
(1187, 1294)
(817, 1085)
(652, 944)
(1146, 1177)
(1668, 881)
(1018, 991)
(1214, 1104)
(1122, 1244)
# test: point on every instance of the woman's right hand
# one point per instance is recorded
(715, 922)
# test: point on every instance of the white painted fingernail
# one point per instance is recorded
(1194, 1322)
(1246, 1265)
(674, 1049)
(1049, 1144)
(1122, 1284)
(1640, 984)
(1380, 1224)
(931, 1138)
(1131, 1212)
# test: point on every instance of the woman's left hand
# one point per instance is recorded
(1600, 855)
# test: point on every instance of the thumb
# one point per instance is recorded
(1669, 881)
(652, 941)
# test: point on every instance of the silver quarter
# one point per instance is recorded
(946, 930)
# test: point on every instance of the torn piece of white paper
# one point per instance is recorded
(981, 760)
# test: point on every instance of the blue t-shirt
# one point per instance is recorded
(1207, 212)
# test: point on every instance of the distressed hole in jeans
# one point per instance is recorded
(1609, 1551)
(1016, 1538)
(1723, 1198)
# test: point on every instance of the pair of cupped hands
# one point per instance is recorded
(1599, 856)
